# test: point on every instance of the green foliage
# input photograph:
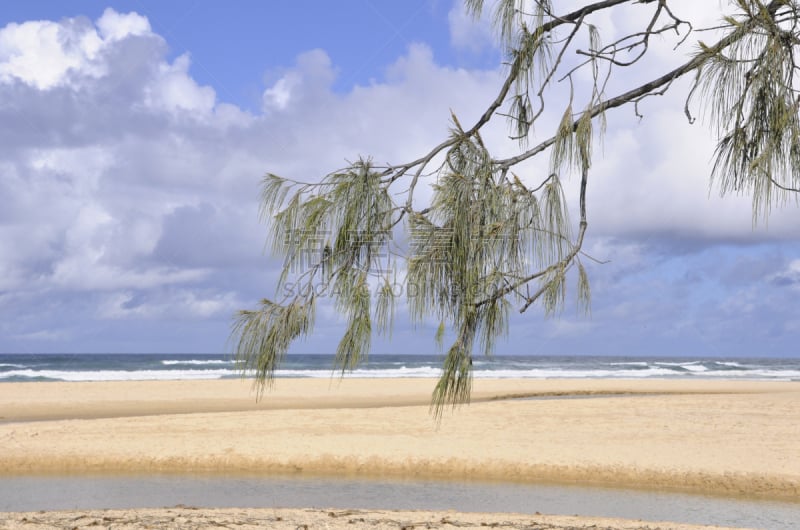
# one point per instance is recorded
(494, 236)
(756, 115)
(265, 334)
(330, 235)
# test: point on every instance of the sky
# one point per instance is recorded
(135, 135)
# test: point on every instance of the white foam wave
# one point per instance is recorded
(406, 372)
(680, 365)
(556, 373)
(527, 373)
(171, 362)
(119, 375)
(695, 368)
(5, 365)
(403, 371)
(630, 363)
(754, 374)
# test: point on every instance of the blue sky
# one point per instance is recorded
(135, 134)
(236, 50)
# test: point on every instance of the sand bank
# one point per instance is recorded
(180, 518)
(702, 436)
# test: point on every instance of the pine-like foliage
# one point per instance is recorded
(491, 238)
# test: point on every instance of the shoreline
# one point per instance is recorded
(730, 438)
(282, 518)
(62, 400)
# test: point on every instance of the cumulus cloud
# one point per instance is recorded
(789, 276)
(467, 32)
(47, 54)
(308, 81)
(100, 147)
(129, 191)
(35, 52)
(113, 26)
(175, 90)
(172, 304)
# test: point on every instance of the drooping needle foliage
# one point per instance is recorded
(494, 236)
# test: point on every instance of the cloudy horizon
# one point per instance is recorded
(135, 138)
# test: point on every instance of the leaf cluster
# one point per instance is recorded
(494, 235)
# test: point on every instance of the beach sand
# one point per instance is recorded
(283, 519)
(732, 438)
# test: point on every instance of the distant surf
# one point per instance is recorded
(122, 367)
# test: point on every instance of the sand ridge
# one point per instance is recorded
(700, 436)
(109, 399)
(293, 519)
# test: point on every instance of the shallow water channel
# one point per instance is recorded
(97, 492)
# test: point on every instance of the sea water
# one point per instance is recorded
(120, 367)
(108, 492)
(35, 493)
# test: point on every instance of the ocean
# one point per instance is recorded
(122, 367)
(149, 490)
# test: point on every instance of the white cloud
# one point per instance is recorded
(47, 54)
(129, 192)
(71, 274)
(279, 94)
(175, 304)
(113, 26)
(43, 53)
(175, 90)
(469, 33)
(307, 82)
(82, 167)
(789, 276)
(100, 253)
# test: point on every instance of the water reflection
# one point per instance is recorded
(61, 493)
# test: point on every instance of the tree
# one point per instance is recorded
(490, 239)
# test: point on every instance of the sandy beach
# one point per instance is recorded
(731, 438)
(282, 519)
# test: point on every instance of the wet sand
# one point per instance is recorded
(731, 438)
(185, 517)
